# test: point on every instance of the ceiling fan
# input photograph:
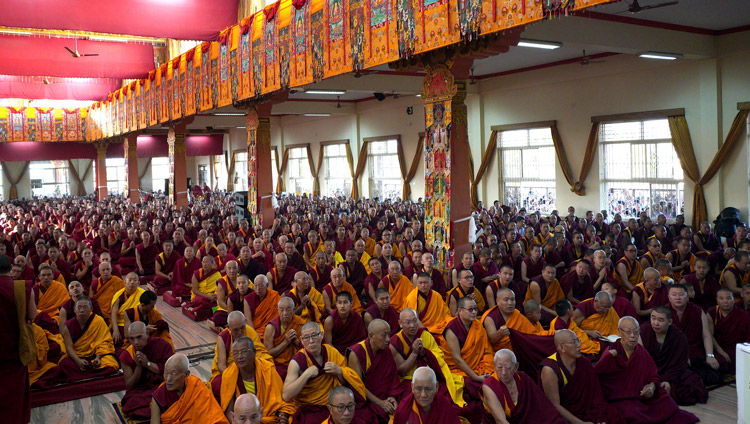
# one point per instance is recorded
(76, 54)
(585, 60)
(635, 7)
(46, 81)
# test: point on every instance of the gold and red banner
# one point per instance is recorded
(224, 76)
(164, 97)
(43, 124)
(245, 89)
(151, 90)
(204, 62)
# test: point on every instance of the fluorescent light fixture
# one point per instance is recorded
(321, 91)
(228, 114)
(536, 44)
(317, 114)
(659, 55)
(240, 128)
(419, 95)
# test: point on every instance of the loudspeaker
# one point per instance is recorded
(189, 183)
(379, 96)
(241, 199)
(167, 190)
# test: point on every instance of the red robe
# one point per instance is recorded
(623, 307)
(705, 296)
(345, 334)
(15, 400)
(730, 329)
(581, 290)
(441, 411)
(167, 265)
(284, 283)
(657, 298)
(182, 277)
(137, 401)
(532, 405)
(692, 326)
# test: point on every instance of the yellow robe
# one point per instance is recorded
(41, 365)
(97, 341)
(268, 388)
(476, 352)
(260, 349)
(437, 315)
(316, 390)
(131, 302)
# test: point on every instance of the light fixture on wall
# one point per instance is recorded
(659, 55)
(325, 92)
(240, 128)
(317, 114)
(538, 44)
(229, 114)
(338, 104)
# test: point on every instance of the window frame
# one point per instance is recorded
(61, 166)
(116, 185)
(302, 162)
(372, 179)
(156, 165)
(327, 178)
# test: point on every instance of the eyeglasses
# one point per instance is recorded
(343, 408)
(474, 309)
(630, 333)
(310, 337)
(240, 353)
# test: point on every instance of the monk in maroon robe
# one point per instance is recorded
(344, 327)
(354, 271)
(731, 325)
(164, 268)
(382, 309)
(705, 285)
(183, 274)
(424, 404)
(281, 276)
(620, 304)
(145, 256)
(577, 283)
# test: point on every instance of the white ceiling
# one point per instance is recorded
(708, 14)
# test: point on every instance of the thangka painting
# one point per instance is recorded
(214, 75)
(30, 124)
(234, 67)
(337, 47)
(437, 180)
(225, 84)
(252, 163)
(178, 99)
(284, 55)
(257, 66)
(301, 65)
(46, 122)
(357, 25)
(245, 89)
(205, 65)
(270, 59)
(469, 18)
(170, 142)
(317, 29)
(406, 28)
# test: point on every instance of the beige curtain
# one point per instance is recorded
(173, 48)
(361, 162)
(350, 161)
(145, 171)
(402, 167)
(576, 187)
(313, 170)
(413, 168)
(87, 172)
(81, 190)
(282, 169)
(230, 171)
(489, 153)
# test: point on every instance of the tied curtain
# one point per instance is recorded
(86, 175)
(350, 161)
(414, 165)
(402, 168)
(683, 145)
(280, 182)
(143, 174)
(489, 153)
(576, 186)
(230, 170)
(13, 193)
(313, 170)
(361, 162)
(81, 190)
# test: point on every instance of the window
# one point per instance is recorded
(220, 173)
(338, 179)
(527, 164)
(385, 171)
(300, 177)
(160, 174)
(202, 175)
(274, 172)
(640, 170)
(116, 171)
(240, 171)
(49, 178)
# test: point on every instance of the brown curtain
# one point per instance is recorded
(282, 169)
(13, 193)
(361, 162)
(81, 190)
(402, 167)
(313, 171)
(576, 187)
(562, 157)
(145, 171)
(350, 161)
(87, 172)
(413, 168)
(230, 170)
(173, 48)
(244, 9)
(489, 154)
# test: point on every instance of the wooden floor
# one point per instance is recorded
(197, 341)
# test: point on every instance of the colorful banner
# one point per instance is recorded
(224, 78)
(245, 53)
(205, 80)
(44, 124)
(300, 58)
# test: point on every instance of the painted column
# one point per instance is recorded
(101, 170)
(259, 175)
(132, 184)
(178, 195)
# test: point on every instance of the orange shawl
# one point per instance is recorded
(476, 351)
(588, 346)
(518, 322)
(317, 304)
(154, 316)
(437, 314)
(356, 305)
(41, 365)
(553, 294)
(195, 405)
(268, 388)
(316, 390)
(226, 337)
(97, 341)
(399, 291)
(286, 355)
(265, 311)
(106, 291)
(52, 299)
(606, 324)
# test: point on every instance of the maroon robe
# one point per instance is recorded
(441, 411)
(355, 275)
(15, 400)
(532, 406)
(373, 281)
(343, 245)
(167, 265)
(731, 329)
(88, 276)
(518, 287)
(148, 256)
(533, 269)
(692, 326)
(182, 277)
(658, 298)
(69, 306)
(137, 400)
(284, 283)
(202, 305)
(160, 325)
(581, 290)
(297, 262)
(622, 378)
(704, 297)
(390, 316)
(480, 272)
(321, 277)
(345, 334)
(671, 359)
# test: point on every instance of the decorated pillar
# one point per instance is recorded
(446, 153)
(178, 194)
(259, 176)
(132, 183)
(101, 169)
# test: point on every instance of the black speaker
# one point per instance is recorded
(189, 183)
(379, 96)
(167, 190)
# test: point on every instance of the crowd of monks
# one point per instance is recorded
(338, 313)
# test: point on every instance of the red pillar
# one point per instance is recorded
(101, 170)
(131, 158)
(178, 166)
(259, 179)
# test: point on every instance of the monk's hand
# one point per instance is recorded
(473, 296)
(504, 331)
(603, 272)
(140, 269)
(594, 334)
(613, 352)
(169, 276)
(666, 386)
(648, 390)
(713, 363)
(96, 361)
(212, 297)
(116, 338)
(332, 368)
(387, 406)
(417, 347)
(290, 336)
(82, 364)
(306, 300)
(150, 329)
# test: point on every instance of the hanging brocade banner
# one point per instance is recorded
(17, 124)
(115, 111)
(436, 24)
(71, 124)
(188, 79)
(357, 31)
(269, 37)
(122, 110)
(257, 52)
(151, 92)
(46, 124)
(140, 106)
(205, 81)
(170, 143)
(132, 100)
(30, 124)
(234, 70)
(214, 74)
(317, 37)
(469, 18)
(386, 30)
(164, 93)
(301, 63)
(224, 82)
(283, 19)
(504, 14)
(180, 87)
(246, 69)
(338, 47)
(176, 89)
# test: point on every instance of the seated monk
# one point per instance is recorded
(236, 328)
(83, 269)
(736, 273)
(648, 294)
(498, 321)
(236, 300)
(681, 260)
(729, 324)
(504, 280)
(282, 334)
(260, 305)
(577, 283)
(50, 295)
(88, 345)
(336, 286)
(433, 312)
(630, 382)
(511, 396)
(372, 360)
(184, 398)
(355, 271)
(312, 373)
(438, 282)
(424, 404)
(382, 309)
(126, 298)
(255, 376)
(342, 406)
(668, 346)
(75, 290)
(570, 383)
(321, 272)
(468, 353)
(705, 284)
(164, 268)
(225, 287)
(143, 366)
(49, 349)
(564, 321)
(743, 302)
(628, 271)
(146, 254)
(414, 347)
(620, 304)
(204, 289)
(397, 284)
(182, 278)
(596, 317)
(223, 257)
(545, 290)
(281, 276)
(344, 327)
(465, 288)
(533, 312)
(146, 313)
(309, 301)
(60, 268)
(247, 410)
(372, 282)
(103, 289)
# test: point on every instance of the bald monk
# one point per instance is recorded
(255, 376)
(628, 271)
(126, 298)
(397, 284)
(182, 278)
(103, 289)
(311, 248)
(355, 271)
(260, 305)
(204, 289)
(312, 373)
(504, 280)
(424, 404)
(372, 360)
(648, 294)
(704, 283)
(620, 304)
(50, 295)
(281, 276)
(570, 383)
(75, 291)
(146, 313)
(247, 410)
(382, 309)
(336, 286)
(236, 328)
(729, 324)
(545, 290)
(146, 254)
(164, 267)
(236, 300)
(630, 382)
(309, 301)
(376, 274)
(344, 327)
(433, 312)
(596, 317)
(737, 273)
(282, 335)
(225, 287)
(511, 396)
(465, 288)
(143, 366)
(321, 272)
(668, 346)
(498, 321)
(184, 398)
(414, 347)
(564, 321)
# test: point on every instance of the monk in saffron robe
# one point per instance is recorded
(705, 285)
(668, 346)
(256, 376)
(341, 407)
(630, 382)
(372, 360)
(425, 404)
(484, 270)
(83, 269)
(204, 289)
(103, 289)
(397, 284)
(344, 327)
(126, 298)
(730, 325)
(282, 335)
(432, 310)
(311, 248)
(49, 350)
(182, 278)
(281, 276)
(564, 321)
(309, 301)
(736, 274)
(546, 290)
(382, 309)
(596, 317)
(465, 288)
(260, 305)
(225, 287)
(628, 270)
(236, 328)
(500, 319)
(143, 366)
(184, 398)
(312, 373)
(336, 286)
(146, 313)
(50, 295)
(67, 310)
(164, 268)
(512, 396)
(438, 282)
(649, 294)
